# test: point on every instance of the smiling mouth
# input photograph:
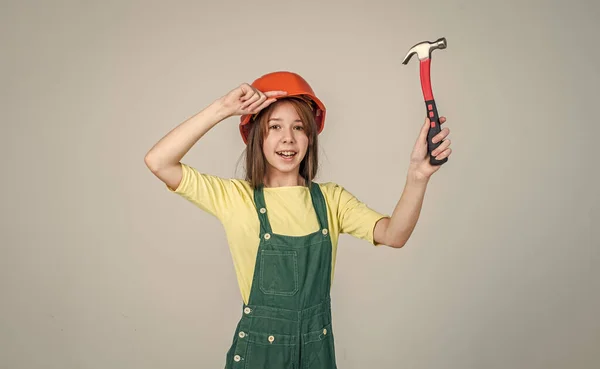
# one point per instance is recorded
(286, 154)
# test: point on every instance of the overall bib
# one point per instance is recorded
(287, 321)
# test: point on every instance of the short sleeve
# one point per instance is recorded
(208, 192)
(356, 218)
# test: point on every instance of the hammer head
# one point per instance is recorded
(424, 49)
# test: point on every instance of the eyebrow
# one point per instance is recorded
(280, 119)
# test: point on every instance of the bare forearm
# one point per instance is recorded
(407, 211)
(175, 144)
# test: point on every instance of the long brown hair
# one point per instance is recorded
(256, 163)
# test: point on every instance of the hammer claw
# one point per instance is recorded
(424, 49)
(409, 55)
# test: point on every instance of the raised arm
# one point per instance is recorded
(396, 231)
(165, 156)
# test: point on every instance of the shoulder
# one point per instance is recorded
(334, 193)
(212, 190)
(339, 196)
(330, 188)
(230, 184)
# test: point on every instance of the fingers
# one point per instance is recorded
(440, 149)
(245, 91)
(443, 133)
(254, 108)
(443, 150)
(440, 136)
(251, 97)
(425, 131)
(275, 93)
(255, 100)
(444, 154)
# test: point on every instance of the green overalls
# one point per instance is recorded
(287, 321)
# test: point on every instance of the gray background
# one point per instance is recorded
(101, 268)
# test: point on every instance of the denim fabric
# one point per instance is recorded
(287, 322)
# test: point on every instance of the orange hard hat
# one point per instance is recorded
(294, 85)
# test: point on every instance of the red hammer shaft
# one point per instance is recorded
(423, 51)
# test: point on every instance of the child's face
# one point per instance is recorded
(285, 143)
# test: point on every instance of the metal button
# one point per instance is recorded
(325, 231)
(242, 334)
(324, 331)
(263, 210)
(237, 358)
(271, 339)
(247, 310)
(267, 236)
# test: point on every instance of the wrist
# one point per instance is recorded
(220, 109)
(414, 176)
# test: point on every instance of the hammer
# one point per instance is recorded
(423, 51)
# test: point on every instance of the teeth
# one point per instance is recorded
(287, 153)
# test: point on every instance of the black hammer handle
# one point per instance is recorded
(434, 129)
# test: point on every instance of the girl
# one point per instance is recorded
(281, 226)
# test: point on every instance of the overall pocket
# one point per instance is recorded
(318, 349)
(271, 351)
(279, 272)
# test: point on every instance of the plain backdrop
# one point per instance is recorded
(100, 267)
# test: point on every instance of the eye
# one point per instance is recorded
(274, 126)
(300, 128)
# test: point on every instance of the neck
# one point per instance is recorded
(284, 180)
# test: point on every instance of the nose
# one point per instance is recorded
(288, 136)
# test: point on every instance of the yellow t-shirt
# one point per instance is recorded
(290, 212)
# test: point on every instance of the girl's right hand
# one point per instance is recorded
(246, 99)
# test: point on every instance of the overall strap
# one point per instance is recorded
(317, 198)
(261, 210)
(319, 204)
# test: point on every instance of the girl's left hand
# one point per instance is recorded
(419, 158)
